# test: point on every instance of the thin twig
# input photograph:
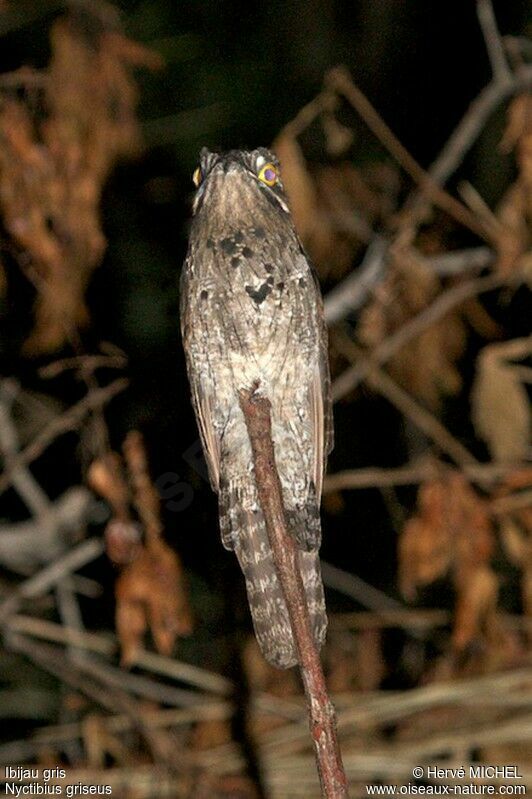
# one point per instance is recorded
(515, 502)
(471, 126)
(24, 78)
(494, 43)
(174, 717)
(47, 521)
(70, 614)
(401, 617)
(411, 474)
(108, 645)
(85, 364)
(340, 80)
(42, 581)
(63, 424)
(256, 410)
(383, 709)
(24, 482)
(441, 306)
(421, 417)
(107, 693)
(352, 292)
(354, 587)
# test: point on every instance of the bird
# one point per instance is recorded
(252, 316)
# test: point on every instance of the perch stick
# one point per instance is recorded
(256, 410)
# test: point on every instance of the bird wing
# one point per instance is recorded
(321, 401)
(200, 399)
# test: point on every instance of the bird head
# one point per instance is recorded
(238, 182)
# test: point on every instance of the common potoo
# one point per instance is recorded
(251, 314)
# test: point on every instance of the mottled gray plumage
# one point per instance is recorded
(251, 312)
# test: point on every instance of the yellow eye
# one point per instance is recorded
(268, 174)
(197, 177)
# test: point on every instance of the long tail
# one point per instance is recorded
(244, 530)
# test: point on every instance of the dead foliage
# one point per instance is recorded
(452, 535)
(335, 206)
(355, 661)
(499, 400)
(54, 164)
(515, 523)
(228, 787)
(515, 209)
(151, 589)
(427, 365)
(61, 132)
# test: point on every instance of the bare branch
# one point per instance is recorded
(471, 126)
(68, 421)
(108, 645)
(26, 545)
(421, 417)
(26, 485)
(494, 43)
(444, 303)
(84, 364)
(354, 587)
(411, 474)
(24, 78)
(352, 292)
(42, 581)
(340, 80)
(96, 682)
(256, 410)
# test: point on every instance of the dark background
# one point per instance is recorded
(234, 75)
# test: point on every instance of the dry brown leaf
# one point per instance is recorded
(338, 138)
(515, 526)
(518, 134)
(370, 666)
(225, 787)
(122, 541)
(3, 281)
(151, 592)
(210, 733)
(518, 478)
(500, 404)
(53, 166)
(145, 495)
(122, 535)
(334, 206)
(476, 606)
(151, 589)
(425, 545)
(517, 484)
(515, 210)
(514, 541)
(425, 366)
(311, 224)
(340, 656)
(106, 477)
(526, 588)
(262, 677)
(423, 558)
(452, 533)
(514, 237)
